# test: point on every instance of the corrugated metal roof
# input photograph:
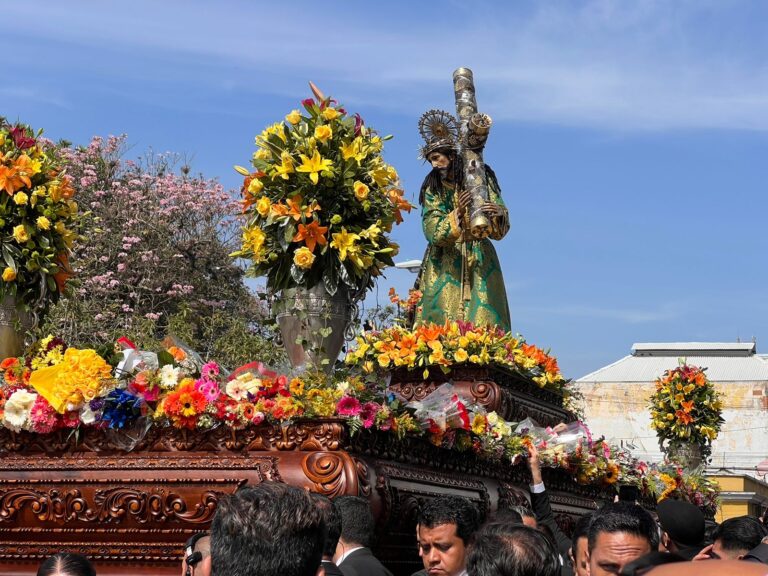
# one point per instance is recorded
(675, 348)
(720, 368)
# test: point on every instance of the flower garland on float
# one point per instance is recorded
(175, 388)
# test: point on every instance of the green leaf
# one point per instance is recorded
(9, 261)
(297, 274)
(325, 332)
(330, 280)
(165, 358)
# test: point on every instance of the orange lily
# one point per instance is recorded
(687, 406)
(312, 234)
(9, 179)
(295, 208)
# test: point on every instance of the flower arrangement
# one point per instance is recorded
(320, 202)
(673, 481)
(452, 344)
(37, 218)
(685, 408)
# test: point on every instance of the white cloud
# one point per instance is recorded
(601, 64)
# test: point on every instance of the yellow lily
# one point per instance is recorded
(344, 242)
(313, 166)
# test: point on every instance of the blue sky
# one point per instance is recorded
(629, 138)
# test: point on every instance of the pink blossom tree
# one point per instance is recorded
(155, 259)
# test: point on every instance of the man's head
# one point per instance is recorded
(618, 534)
(332, 521)
(519, 551)
(356, 522)
(270, 529)
(197, 556)
(445, 527)
(579, 543)
(682, 523)
(737, 536)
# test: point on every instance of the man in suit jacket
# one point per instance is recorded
(333, 523)
(544, 516)
(445, 526)
(353, 553)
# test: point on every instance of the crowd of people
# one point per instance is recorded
(273, 529)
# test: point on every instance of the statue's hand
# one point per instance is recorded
(492, 210)
(465, 199)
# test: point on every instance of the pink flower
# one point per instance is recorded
(348, 406)
(209, 370)
(208, 388)
(258, 418)
(43, 416)
(71, 419)
(368, 413)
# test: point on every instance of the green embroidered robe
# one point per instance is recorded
(440, 278)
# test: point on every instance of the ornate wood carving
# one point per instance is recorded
(127, 509)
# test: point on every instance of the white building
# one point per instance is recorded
(616, 399)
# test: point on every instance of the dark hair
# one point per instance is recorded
(450, 510)
(739, 534)
(356, 520)
(332, 521)
(506, 516)
(434, 182)
(624, 517)
(270, 529)
(580, 530)
(66, 564)
(521, 551)
(648, 561)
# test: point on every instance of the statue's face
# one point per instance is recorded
(441, 162)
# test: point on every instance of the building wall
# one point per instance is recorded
(619, 411)
(741, 496)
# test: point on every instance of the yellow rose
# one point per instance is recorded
(323, 133)
(294, 117)
(330, 114)
(43, 223)
(303, 258)
(255, 186)
(20, 234)
(9, 275)
(263, 206)
(361, 190)
(20, 198)
(461, 355)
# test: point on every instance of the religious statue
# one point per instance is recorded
(462, 209)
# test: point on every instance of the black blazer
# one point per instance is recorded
(362, 562)
(331, 569)
(543, 512)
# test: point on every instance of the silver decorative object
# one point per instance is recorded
(313, 324)
(473, 131)
(14, 325)
(686, 454)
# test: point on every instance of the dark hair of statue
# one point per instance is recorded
(520, 551)
(357, 523)
(450, 510)
(270, 529)
(434, 182)
(68, 564)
